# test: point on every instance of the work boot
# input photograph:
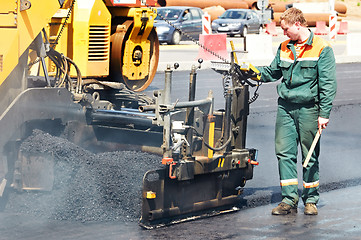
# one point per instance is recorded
(284, 209)
(310, 209)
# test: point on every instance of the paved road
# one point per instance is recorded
(340, 169)
(338, 219)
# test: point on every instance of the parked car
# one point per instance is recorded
(237, 21)
(187, 19)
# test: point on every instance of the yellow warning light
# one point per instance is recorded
(150, 195)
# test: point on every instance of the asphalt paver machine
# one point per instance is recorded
(86, 90)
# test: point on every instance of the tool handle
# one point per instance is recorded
(312, 148)
(233, 52)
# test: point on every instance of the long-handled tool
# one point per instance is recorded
(312, 148)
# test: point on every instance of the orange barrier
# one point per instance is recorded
(320, 28)
(343, 28)
(216, 43)
(271, 28)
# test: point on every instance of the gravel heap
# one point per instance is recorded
(87, 187)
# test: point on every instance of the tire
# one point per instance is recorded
(245, 31)
(176, 38)
(259, 29)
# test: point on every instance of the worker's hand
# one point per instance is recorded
(322, 122)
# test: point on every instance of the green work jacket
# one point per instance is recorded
(310, 78)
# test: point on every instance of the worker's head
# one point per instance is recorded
(292, 20)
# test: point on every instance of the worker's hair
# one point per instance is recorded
(293, 15)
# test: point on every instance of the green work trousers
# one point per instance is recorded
(297, 124)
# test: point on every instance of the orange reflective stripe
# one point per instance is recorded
(318, 44)
(286, 53)
(289, 182)
(311, 185)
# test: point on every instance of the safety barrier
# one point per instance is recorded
(332, 22)
(206, 24)
(343, 29)
(216, 43)
(321, 28)
(271, 28)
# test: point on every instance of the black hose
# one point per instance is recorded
(219, 148)
(213, 148)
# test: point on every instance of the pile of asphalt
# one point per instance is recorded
(87, 186)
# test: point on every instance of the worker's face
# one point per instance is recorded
(291, 30)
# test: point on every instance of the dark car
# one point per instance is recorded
(186, 19)
(237, 21)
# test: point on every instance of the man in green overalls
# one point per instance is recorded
(306, 66)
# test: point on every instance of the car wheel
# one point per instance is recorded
(231, 35)
(245, 31)
(260, 29)
(176, 38)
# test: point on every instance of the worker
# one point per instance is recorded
(306, 65)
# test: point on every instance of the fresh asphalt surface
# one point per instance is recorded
(339, 207)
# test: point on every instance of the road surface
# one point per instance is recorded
(339, 207)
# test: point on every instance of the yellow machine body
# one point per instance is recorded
(86, 38)
(91, 38)
(88, 35)
(17, 17)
